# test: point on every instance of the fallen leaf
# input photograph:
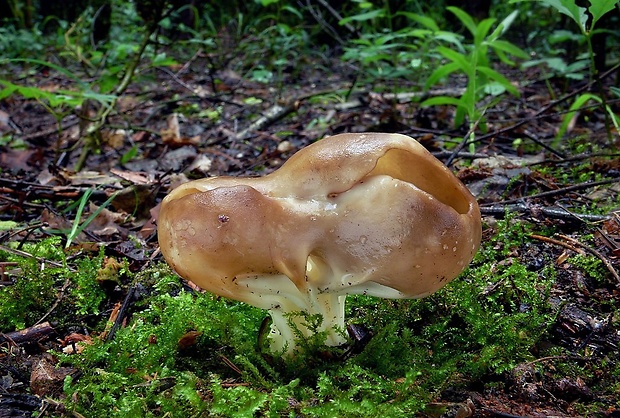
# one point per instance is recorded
(46, 379)
(188, 339)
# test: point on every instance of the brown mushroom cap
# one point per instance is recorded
(366, 213)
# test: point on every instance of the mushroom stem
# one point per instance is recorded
(293, 309)
(290, 324)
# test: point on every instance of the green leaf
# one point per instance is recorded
(362, 17)
(53, 66)
(509, 48)
(598, 8)
(494, 88)
(614, 118)
(451, 38)
(293, 10)
(163, 60)
(497, 77)
(465, 19)
(77, 228)
(456, 57)
(570, 9)
(442, 100)
(9, 88)
(441, 72)
(504, 25)
(422, 20)
(482, 30)
(577, 104)
(129, 155)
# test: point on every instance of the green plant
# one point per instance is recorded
(113, 69)
(586, 20)
(473, 60)
(78, 226)
(387, 54)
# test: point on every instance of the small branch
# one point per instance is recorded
(565, 357)
(575, 187)
(277, 112)
(572, 245)
(122, 313)
(337, 15)
(557, 242)
(57, 301)
(28, 255)
(269, 117)
(31, 334)
(500, 209)
(41, 134)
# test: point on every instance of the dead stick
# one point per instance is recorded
(555, 192)
(57, 301)
(34, 333)
(557, 242)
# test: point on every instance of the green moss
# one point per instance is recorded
(592, 266)
(46, 279)
(480, 326)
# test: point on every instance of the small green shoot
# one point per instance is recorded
(77, 227)
(473, 61)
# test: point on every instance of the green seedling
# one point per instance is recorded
(579, 103)
(586, 20)
(473, 60)
(78, 226)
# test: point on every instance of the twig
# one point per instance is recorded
(28, 255)
(57, 301)
(122, 313)
(230, 364)
(337, 15)
(322, 22)
(468, 155)
(579, 157)
(270, 116)
(534, 138)
(466, 140)
(550, 212)
(565, 357)
(557, 242)
(277, 112)
(33, 333)
(575, 187)
(51, 131)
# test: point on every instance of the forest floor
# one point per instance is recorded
(183, 122)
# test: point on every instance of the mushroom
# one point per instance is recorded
(372, 213)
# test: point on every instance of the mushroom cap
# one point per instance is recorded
(369, 213)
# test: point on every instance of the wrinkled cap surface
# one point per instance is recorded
(366, 213)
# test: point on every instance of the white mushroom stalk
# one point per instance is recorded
(372, 214)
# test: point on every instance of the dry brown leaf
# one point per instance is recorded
(46, 379)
